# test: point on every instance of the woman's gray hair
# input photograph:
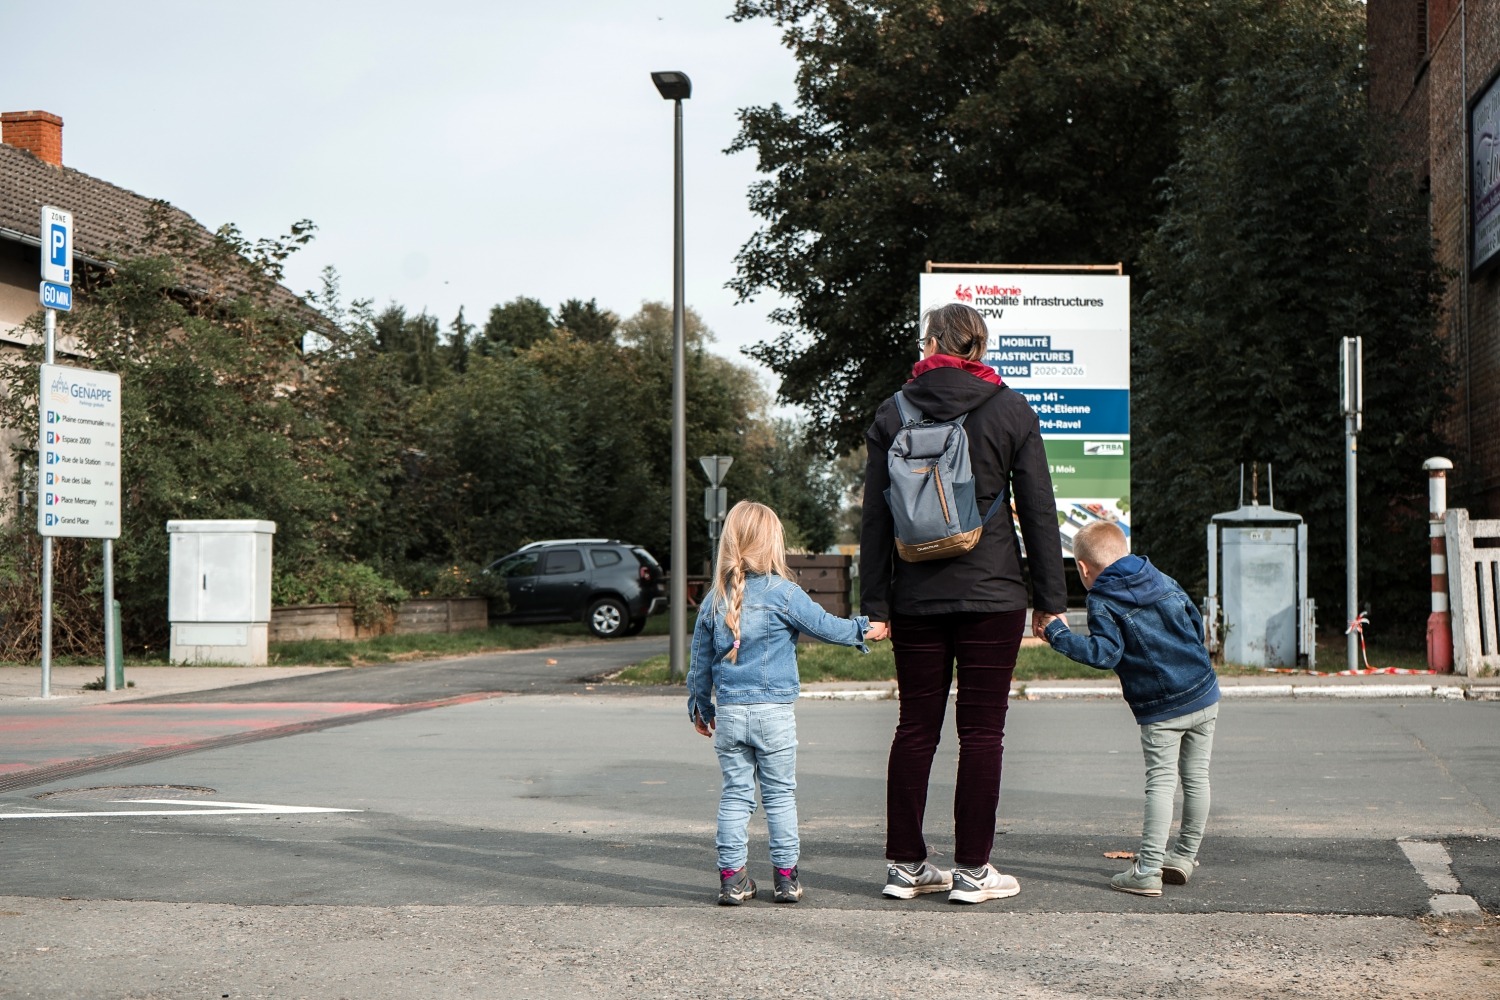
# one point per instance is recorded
(959, 330)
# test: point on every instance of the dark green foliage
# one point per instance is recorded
(412, 339)
(514, 326)
(1006, 132)
(586, 321)
(1282, 235)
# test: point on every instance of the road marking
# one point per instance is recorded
(220, 809)
(1435, 867)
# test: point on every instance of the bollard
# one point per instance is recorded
(118, 652)
(1439, 625)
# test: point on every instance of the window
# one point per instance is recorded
(604, 557)
(565, 561)
(518, 565)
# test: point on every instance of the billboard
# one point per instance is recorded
(1063, 342)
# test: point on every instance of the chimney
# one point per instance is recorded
(38, 132)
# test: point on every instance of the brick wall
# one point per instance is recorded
(38, 131)
(1429, 91)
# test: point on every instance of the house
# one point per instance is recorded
(109, 224)
(1435, 67)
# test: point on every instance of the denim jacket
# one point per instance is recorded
(775, 611)
(1147, 630)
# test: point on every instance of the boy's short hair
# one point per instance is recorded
(1100, 543)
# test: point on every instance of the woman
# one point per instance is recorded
(967, 611)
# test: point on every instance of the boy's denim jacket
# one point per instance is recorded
(775, 611)
(1147, 630)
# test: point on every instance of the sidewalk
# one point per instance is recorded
(24, 683)
(19, 683)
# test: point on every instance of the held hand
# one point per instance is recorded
(1039, 622)
(704, 729)
(878, 631)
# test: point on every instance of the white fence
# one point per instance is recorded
(1474, 592)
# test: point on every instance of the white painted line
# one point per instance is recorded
(222, 809)
(882, 694)
(1432, 863)
(1033, 691)
(1435, 867)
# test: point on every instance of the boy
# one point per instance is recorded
(1142, 626)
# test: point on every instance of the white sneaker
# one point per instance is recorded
(907, 881)
(975, 886)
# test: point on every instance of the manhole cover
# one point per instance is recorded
(127, 793)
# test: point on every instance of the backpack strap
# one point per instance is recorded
(911, 415)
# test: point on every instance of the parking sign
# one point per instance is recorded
(57, 245)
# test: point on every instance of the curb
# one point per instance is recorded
(1032, 692)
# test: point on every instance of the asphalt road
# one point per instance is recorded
(563, 843)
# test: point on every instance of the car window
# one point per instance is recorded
(563, 561)
(521, 564)
(604, 557)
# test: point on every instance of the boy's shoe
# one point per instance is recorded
(1176, 869)
(788, 889)
(975, 885)
(735, 886)
(907, 881)
(1132, 880)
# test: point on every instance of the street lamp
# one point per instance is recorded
(676, 87)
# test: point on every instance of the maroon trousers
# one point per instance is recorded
(927, 647)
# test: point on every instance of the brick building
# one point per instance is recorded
(1435, 66)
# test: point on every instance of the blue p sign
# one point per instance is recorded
(57, 244)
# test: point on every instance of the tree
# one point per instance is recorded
(1005, 131)
(586, 321)
(460, 343)
(1282, 234)
(514, 326)
(413, 340)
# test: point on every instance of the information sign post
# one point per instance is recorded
(78, 445)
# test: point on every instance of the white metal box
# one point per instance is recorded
(219, 590)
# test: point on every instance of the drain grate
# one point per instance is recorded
(126, 793)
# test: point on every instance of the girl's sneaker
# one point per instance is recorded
(975, 885)
(735, 886)
(1134, 880)
(788, 889)
(907, 881)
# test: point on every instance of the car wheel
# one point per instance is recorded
(607, 618)
(634, 628)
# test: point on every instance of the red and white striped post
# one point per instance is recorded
(1439, 626)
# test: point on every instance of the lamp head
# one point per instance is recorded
(672, 85)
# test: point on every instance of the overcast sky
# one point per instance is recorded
(452, 153)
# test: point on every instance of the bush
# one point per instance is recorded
(374, 596)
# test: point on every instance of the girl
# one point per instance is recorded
(745, 652)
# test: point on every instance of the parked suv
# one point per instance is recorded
(612, 586)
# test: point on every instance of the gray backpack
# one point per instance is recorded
(931, 496)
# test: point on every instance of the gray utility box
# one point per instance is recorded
(219, 590)
(1257, 611)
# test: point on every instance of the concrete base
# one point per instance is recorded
(241, 643)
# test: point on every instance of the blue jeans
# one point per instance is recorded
(757, 743)
(1179, 747)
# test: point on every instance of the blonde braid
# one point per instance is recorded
(734, 602)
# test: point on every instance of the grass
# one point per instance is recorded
(819, 662)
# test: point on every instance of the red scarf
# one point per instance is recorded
(976, 368)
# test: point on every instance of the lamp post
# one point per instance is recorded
(676, 87)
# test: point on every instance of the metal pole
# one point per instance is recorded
(677, 618)
(110, 639)
(1351, 372)
(51, 341)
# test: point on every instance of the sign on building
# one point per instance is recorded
(1063, 342)
(78, 452)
